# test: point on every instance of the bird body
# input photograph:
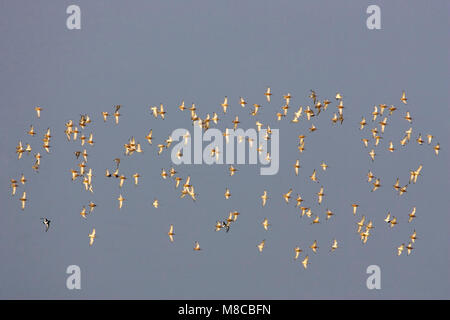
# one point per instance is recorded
(261, 245)
(171, 233)
(265, 224)
(92, 237)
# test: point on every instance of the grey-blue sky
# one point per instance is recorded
(146, 53)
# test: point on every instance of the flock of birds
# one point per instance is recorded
(77, 131)
(364, 229)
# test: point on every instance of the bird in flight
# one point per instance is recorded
(354, 206)
(372, 155)
(83, 212)
(391, 147)
(320, 195)
(227, 193)
(287, 196)
(437, 148)
(305, 262)
(105, 116)
(313, 176)
(22, 179)
(225, 105)
(297, 166)
(362, 123)
(268, 94)
(264, 198)
(171, 233)
(408, 117)
(92, 237)
(121, 200)
(266, 224)
(14, 186)
(242, 102)
(412, 215)
(23, 200)
(38, 111)
(136, 178)
(31, 132)
(297, 252)
(414, 174)
(261, 245)
(329, 214)
(413, 237)
(393, 222)
(409, 247)
(403, 98)
(316, 220)
(334, 245)
(46, 222)
(400, 249)
(314, 246)
(376, 185)
(149, 136)
(361, 223)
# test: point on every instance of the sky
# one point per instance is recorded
(145, 53)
